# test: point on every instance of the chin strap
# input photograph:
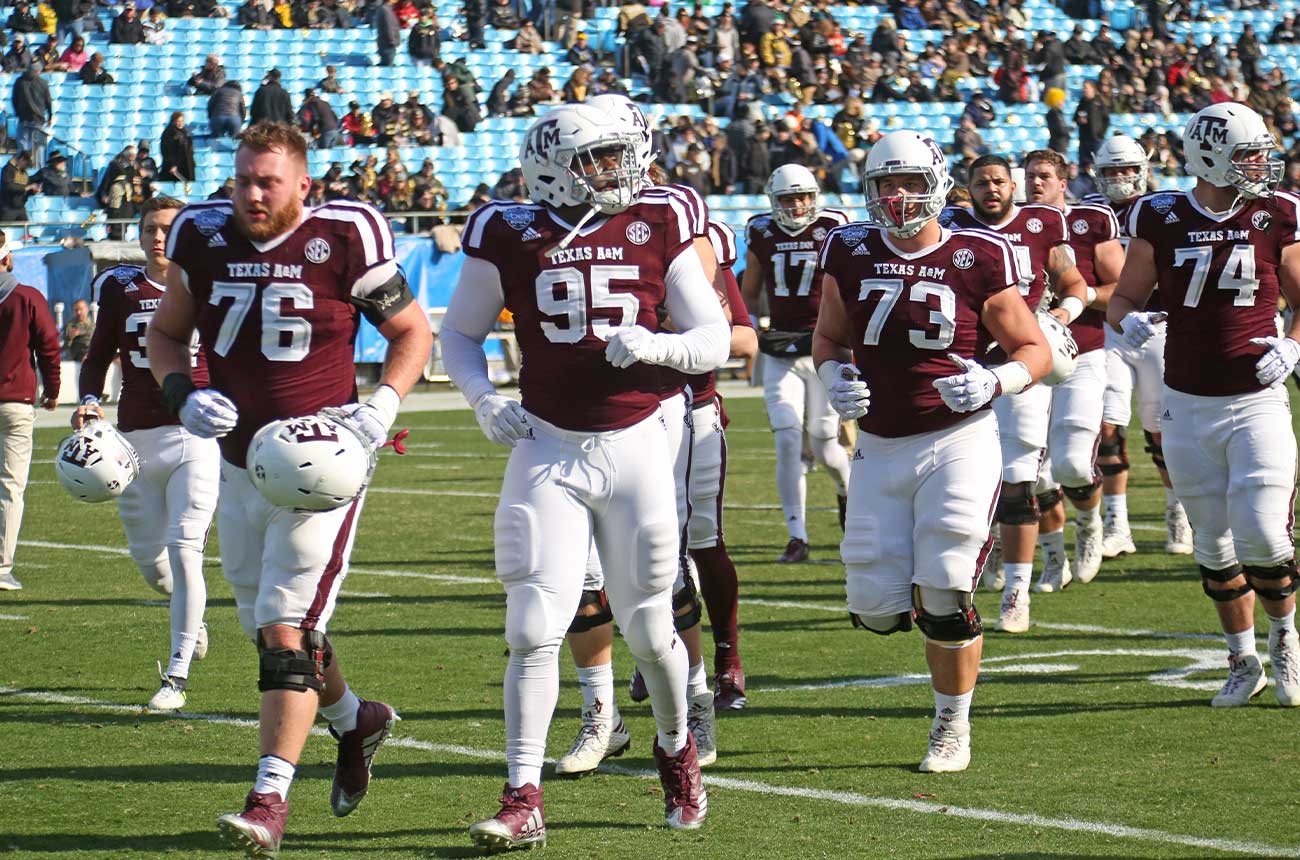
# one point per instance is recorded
(564, 243)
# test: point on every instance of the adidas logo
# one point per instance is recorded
(1171, 218)
(531, 235)
(857, 455)
(131, 288)
(217, 241)
(861, 251)
(1166, 416)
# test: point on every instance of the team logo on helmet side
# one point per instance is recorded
(1210, 131)
(80, 451)
(638, 232)
(518, 218)
(1261, 220)
(543, 139)
(209, 221)
(963, 258)
(1080, 227)
(819, 235)
(1034, 225)
(317, 250)
(1162, 203)
(310, 429)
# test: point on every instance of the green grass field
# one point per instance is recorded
(1093, 735)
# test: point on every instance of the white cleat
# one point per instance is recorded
(1284, 654)
(1245, 681)
(1056, 574)
(1116, 536)
(949, 747)
(596, 741)
(170, 696)
(1014, 617)
(704, 727)
(995, 576)
(1087, 551)
(1178, 540)
(201, 645)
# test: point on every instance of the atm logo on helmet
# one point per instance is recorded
(1210, 130)
(80, 453)
(543, 139)
(310, 430)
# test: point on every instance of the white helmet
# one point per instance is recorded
(1217, 136)
(569, 136)
(96, 463)
(793, 179)
(1065, 352)
(619, 105)
(905, 152)
(314, 463)
(1120, 151)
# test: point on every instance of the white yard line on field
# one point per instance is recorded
(13, 617)
(843, 798)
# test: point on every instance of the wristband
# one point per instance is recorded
(1091, 292)
(176, 389)
(1073, 306)
(829, 372)
(89, 400)
(386, 401)
(1013, 377)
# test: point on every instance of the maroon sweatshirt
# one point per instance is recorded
(26, 328)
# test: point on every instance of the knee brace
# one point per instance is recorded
(1081, 494)
(1153, 448)
(1222, 577)
(1274, 582)
(1118, 448)
(587, 619)
(1018, 506)
(946, 617)
(293, 669)
(1049, 499)
(686, 606)
(883, 625)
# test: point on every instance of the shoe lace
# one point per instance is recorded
(1286, 663)
(514, 803)
(588, 734)
(676, 781)
(1238, 675)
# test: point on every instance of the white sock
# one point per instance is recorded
(532, 686)
(274, 774)
(953, 708)
(790, 483)
(1117, 508)
(697, 682)
(182, 653)
(343, 713)
(1241, 643)
(1018, 576)
(1052, 542)
(1086, 518)
(597, 683)
(1278, 627)
(188, 600)
(1171, 500)
(832, 455)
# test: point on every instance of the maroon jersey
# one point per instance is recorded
(789, 263)
(1089, 227)
(1033, 231)
(277, 319)
(1121, 211)
(703, 385)
(127, 301)
(567, 303)
(692, 212)
(1218, 274)
(908, 311)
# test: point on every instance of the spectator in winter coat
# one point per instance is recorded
(271, 103)
(17, 58)
(424, 43)
(208, 79)
(127, 29)
(226, 110)
(93, 74)
(388, 32)
(177, 148)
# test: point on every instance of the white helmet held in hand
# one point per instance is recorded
(314, 463)
(1065, 352)
(905, 153)
(1216, 139)
(789, 179)
(96, 463)
(560, 163)
(1117, 152)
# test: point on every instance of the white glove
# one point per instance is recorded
(1140, 326)
(967, 391)
(502, 420)
(1276, 364)
(849, 395)
(208, 414)
(372, 419)
(633, 344)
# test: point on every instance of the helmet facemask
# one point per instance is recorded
(609, 190)
(1255, 178)
(794, 215)
(903, 214)
(1124, 187)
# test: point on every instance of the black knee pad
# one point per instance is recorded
(1080, 494)
(1018, 507)
(1153, 448)
(1048, 499)
(1223, 595)
(292, 669)
(1118, 449)
(961, 626)
(1275, 582)
(582, 622)
(687, 597)
(903, 623)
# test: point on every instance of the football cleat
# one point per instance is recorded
(1116, 537)
(597, 740)
(357, 750)
(701, 721)
(796, 551)
(1056, 574)
(257, 830)
(518, 824)
(842, 502)
(8, 583)
(994, 576)
(1014, 615)
(1087, 550)
(729, 690)
(170, 696)
(949, 747)
(686, 803)
(636, 688)
(1179, 532)
(201, 644)
(1284, 654)
(1245, 681)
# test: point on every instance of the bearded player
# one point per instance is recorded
(276, 292)
(781, 265)
(907, 309)
(167, 510)
(1220, 255)
(584, 270)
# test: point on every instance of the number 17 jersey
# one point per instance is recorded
(791, 279)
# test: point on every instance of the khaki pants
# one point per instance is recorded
(16, 423)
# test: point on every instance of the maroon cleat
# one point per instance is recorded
(636, 688)
(258, 829)
(729, 690)
(519, 824)
(357, 750)
(843, 502)
(796, 551)
(685, 800)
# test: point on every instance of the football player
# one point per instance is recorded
(1077, 402)
(1220, 255)
(1039, 236)
(167, 510)
(1121, 172)
(276, 292)
(781, 263)
(907, 308)
(585, 270)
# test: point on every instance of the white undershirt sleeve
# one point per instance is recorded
(471, 315)
(704, 341)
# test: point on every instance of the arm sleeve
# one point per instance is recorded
(103, 343)
(471, 314)
(705, 338)
(45, 343)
